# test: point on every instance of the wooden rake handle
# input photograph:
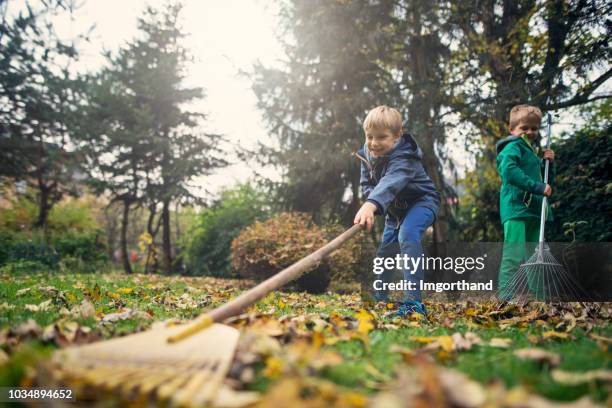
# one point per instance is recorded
(237, 305)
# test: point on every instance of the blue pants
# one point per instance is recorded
(408, 236)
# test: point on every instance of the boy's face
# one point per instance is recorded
(528, 126)
(381, 141)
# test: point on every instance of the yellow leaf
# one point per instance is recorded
(365, 322)
(281, 304)
(354, 399)
(274, 367)
(446, 342)
(425, 340)
(125, 291)
(555, 334)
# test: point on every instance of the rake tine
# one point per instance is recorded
(151, 377)
(196, 383)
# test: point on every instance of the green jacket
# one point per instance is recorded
(521, 172)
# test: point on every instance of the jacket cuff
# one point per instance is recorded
(539, 188)
(379, 208)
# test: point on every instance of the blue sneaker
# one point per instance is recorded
(408, 308)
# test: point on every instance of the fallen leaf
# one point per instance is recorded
(3, 357)
(577, 378)
(499, 342)
(600, 338)
(226, 397)
(519, 397)
(555, 335)
(112, 317)
(22, 291)
(125, 291)
(461, 390)
(365, 322)
(46, 305)
(465, 342)
(85, 309)
(538, 355)
(446, 342)
(274, 368)
(29, 328)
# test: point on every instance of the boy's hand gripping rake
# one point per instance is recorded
(542, 274)
(182, 364)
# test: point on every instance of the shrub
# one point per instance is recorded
(583, 187)
(23, 266)
(350, 259)
(265, 248)
(209, 249)
(73, 233)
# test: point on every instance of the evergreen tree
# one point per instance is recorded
(154, 146)
(39, 100)
(345, 58)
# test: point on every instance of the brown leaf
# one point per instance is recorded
(600, 338)
(577, 378)
(538, 355)
(555, 335)
(226, 397)
(29, 328)
(500, 342)
(461, 390)
(466, 341)
(85, 309)
(46, 305)
(112, 317)
(22, 291)
(3, 357)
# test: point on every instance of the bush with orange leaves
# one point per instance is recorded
(266, 247)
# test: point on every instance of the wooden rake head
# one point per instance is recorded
(145, 365)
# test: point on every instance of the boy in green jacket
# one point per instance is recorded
(522, 190)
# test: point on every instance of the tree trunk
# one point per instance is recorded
(166, 242)
(125, 258)
(152, 212)
(43, 206)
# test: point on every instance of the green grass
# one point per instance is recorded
(482, 363)
(160, 297)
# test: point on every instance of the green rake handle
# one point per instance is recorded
(546, 164)
(237, 305)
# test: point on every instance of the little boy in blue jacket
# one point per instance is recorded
(395, 183)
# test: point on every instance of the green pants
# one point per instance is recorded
(520, 237)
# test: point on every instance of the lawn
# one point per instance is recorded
(321, 350)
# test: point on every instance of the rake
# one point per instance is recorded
(183, 365)
(542, 273)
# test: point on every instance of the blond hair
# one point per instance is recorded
(383, 117)
(521, 112)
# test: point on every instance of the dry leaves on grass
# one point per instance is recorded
(428, 385)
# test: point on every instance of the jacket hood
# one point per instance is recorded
(499, 146)
(406, 146)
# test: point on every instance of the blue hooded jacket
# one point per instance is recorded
(397, 181)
